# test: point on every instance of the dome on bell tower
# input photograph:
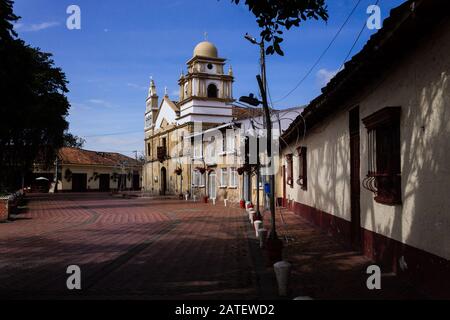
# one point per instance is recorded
(206, 49)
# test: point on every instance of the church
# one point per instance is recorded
(173, 165)
(197, 146)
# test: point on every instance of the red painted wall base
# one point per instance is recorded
(425, 271)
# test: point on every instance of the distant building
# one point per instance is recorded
(196, 145)
(205, 97)
(83, 170)
(373, 166)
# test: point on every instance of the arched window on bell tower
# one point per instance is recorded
(212, 91)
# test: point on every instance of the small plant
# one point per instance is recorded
(178, 171)
(68, 175)
(243, 169)
(95, 177)
(114, 177)
(202, 170)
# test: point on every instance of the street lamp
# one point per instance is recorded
(262, 53)
(250, 99)
(274, 244)
(250, 38)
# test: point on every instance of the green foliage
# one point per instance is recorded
(73, 141)
(275, 16)
(68, 175)
(7, 19)
(33, 107)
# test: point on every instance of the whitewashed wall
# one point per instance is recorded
(420, 85)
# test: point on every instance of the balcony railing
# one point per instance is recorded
(161, 153)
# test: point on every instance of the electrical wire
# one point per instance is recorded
(322, 55)
(355, 42)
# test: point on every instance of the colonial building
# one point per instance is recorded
(373, 166)
(251, 126)
(196, 145)
(205, 101)
(81, 170)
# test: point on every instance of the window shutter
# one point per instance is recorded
(290, 170)
(302, 168)
(384, 174)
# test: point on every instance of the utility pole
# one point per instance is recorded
(273, 232)
(274, 245)
(267, 121)
(258, 172)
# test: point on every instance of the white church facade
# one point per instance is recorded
(173, 166)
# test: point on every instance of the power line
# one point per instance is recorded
(322, 55)
(355, 42)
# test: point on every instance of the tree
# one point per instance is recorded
(275, 15)
(73, 141)
(33, 106)
(7, 18)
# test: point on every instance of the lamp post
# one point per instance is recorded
(274, 244)
(262, 63)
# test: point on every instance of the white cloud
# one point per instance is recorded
(324, 76)
(136, 86)
(102, 103)
(75, 106)
(35, 26)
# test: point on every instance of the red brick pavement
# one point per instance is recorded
(169, 249)
(323, 267)
(127, 248)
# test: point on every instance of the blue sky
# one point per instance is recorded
(122, 43)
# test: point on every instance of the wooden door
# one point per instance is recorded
(79, 182)
(136, 182)
(212, 186)
(355, 183)
(104, 182)
(163, 181)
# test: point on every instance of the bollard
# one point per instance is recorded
(251, 214)
(225, 201)
(282, 272)
(214, 201)
(186, 196)
(262, 237)
(258, 225)
(305, 298)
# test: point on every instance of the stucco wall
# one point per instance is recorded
(420, 85)
(328, 158)
(93, 184)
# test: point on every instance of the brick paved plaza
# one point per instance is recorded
(127, 248)
(167, 249)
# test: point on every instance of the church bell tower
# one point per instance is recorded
(206, 89)
(151, 106)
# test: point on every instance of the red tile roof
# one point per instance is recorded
(76, 156)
